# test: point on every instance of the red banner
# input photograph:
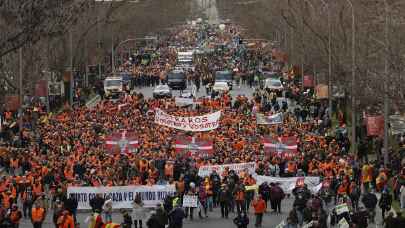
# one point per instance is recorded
(308, 81)
(286, 147)
(375, 125)
(124, 142)
(12, 103)
(41, 88)
(192, 146)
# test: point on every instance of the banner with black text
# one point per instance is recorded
(122, 196)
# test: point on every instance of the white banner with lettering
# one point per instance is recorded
(206, 170)
(193, 123)
(289, 183)
(122, 196)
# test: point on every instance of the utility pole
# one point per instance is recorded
(353, 88)
(386, 100)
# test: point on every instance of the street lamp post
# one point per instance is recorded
(330, 96)
(353, 130)
(386, 101)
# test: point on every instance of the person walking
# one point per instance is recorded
(385, 202)
(370, 202)
(240, 199)
(138, 211)
(225, 197)
(15, 216)
(38, 215)
(107, 210)
(260, 207)
(97, 203)
(276, 196)
(176, 217)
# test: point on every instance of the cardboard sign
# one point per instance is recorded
(375, 125)
(190, 201)
(321, 91)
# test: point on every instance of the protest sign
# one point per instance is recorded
(181, 101)
(341, 208)
(375, 125)
(321, 91)
(122, 196)
(190, 201)
(289, 183)
(193, 123)
(237, 167)
(270, 120)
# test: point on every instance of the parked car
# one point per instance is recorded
(162, 91)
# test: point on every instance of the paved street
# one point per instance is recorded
(214, 219)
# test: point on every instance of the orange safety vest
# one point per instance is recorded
(15, 216)
(38, 214)
(240, 196)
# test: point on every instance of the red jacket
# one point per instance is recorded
(259, 206)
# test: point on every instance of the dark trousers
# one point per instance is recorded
(190, 211)
(277, 205)
(224, 209)
(37, 224)
(27, 209)
(259, 218)
(136, 222)
(240, 206)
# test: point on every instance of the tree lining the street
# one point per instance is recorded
(301, 27)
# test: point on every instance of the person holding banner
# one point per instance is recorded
(138, 211)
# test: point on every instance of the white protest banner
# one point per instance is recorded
(190, 201)
(288, 183)
(193, 123)
(122, 196)
(181, 101)
(341, 208)
(206, 170)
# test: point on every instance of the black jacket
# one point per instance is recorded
(176, 217)
(369, 200)
(97, 203)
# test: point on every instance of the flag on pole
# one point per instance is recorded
(269, 120)
(192, 146)
(281, 146)
(126, 142)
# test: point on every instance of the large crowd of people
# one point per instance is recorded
(57, 151)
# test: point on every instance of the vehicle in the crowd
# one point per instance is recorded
(273, 84)
(185, 57)
(186, 94)
(113, 86)
(271, 74)
(220, 87)
(224, 76)
(162, 91)
(177, 80)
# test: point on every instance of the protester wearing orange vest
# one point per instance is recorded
(37, 216)
(260, 207)
(66, 220)
(240, 198)
(15, 216)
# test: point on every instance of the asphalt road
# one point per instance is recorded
(214, 219)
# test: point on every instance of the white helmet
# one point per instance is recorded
(192, 185)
